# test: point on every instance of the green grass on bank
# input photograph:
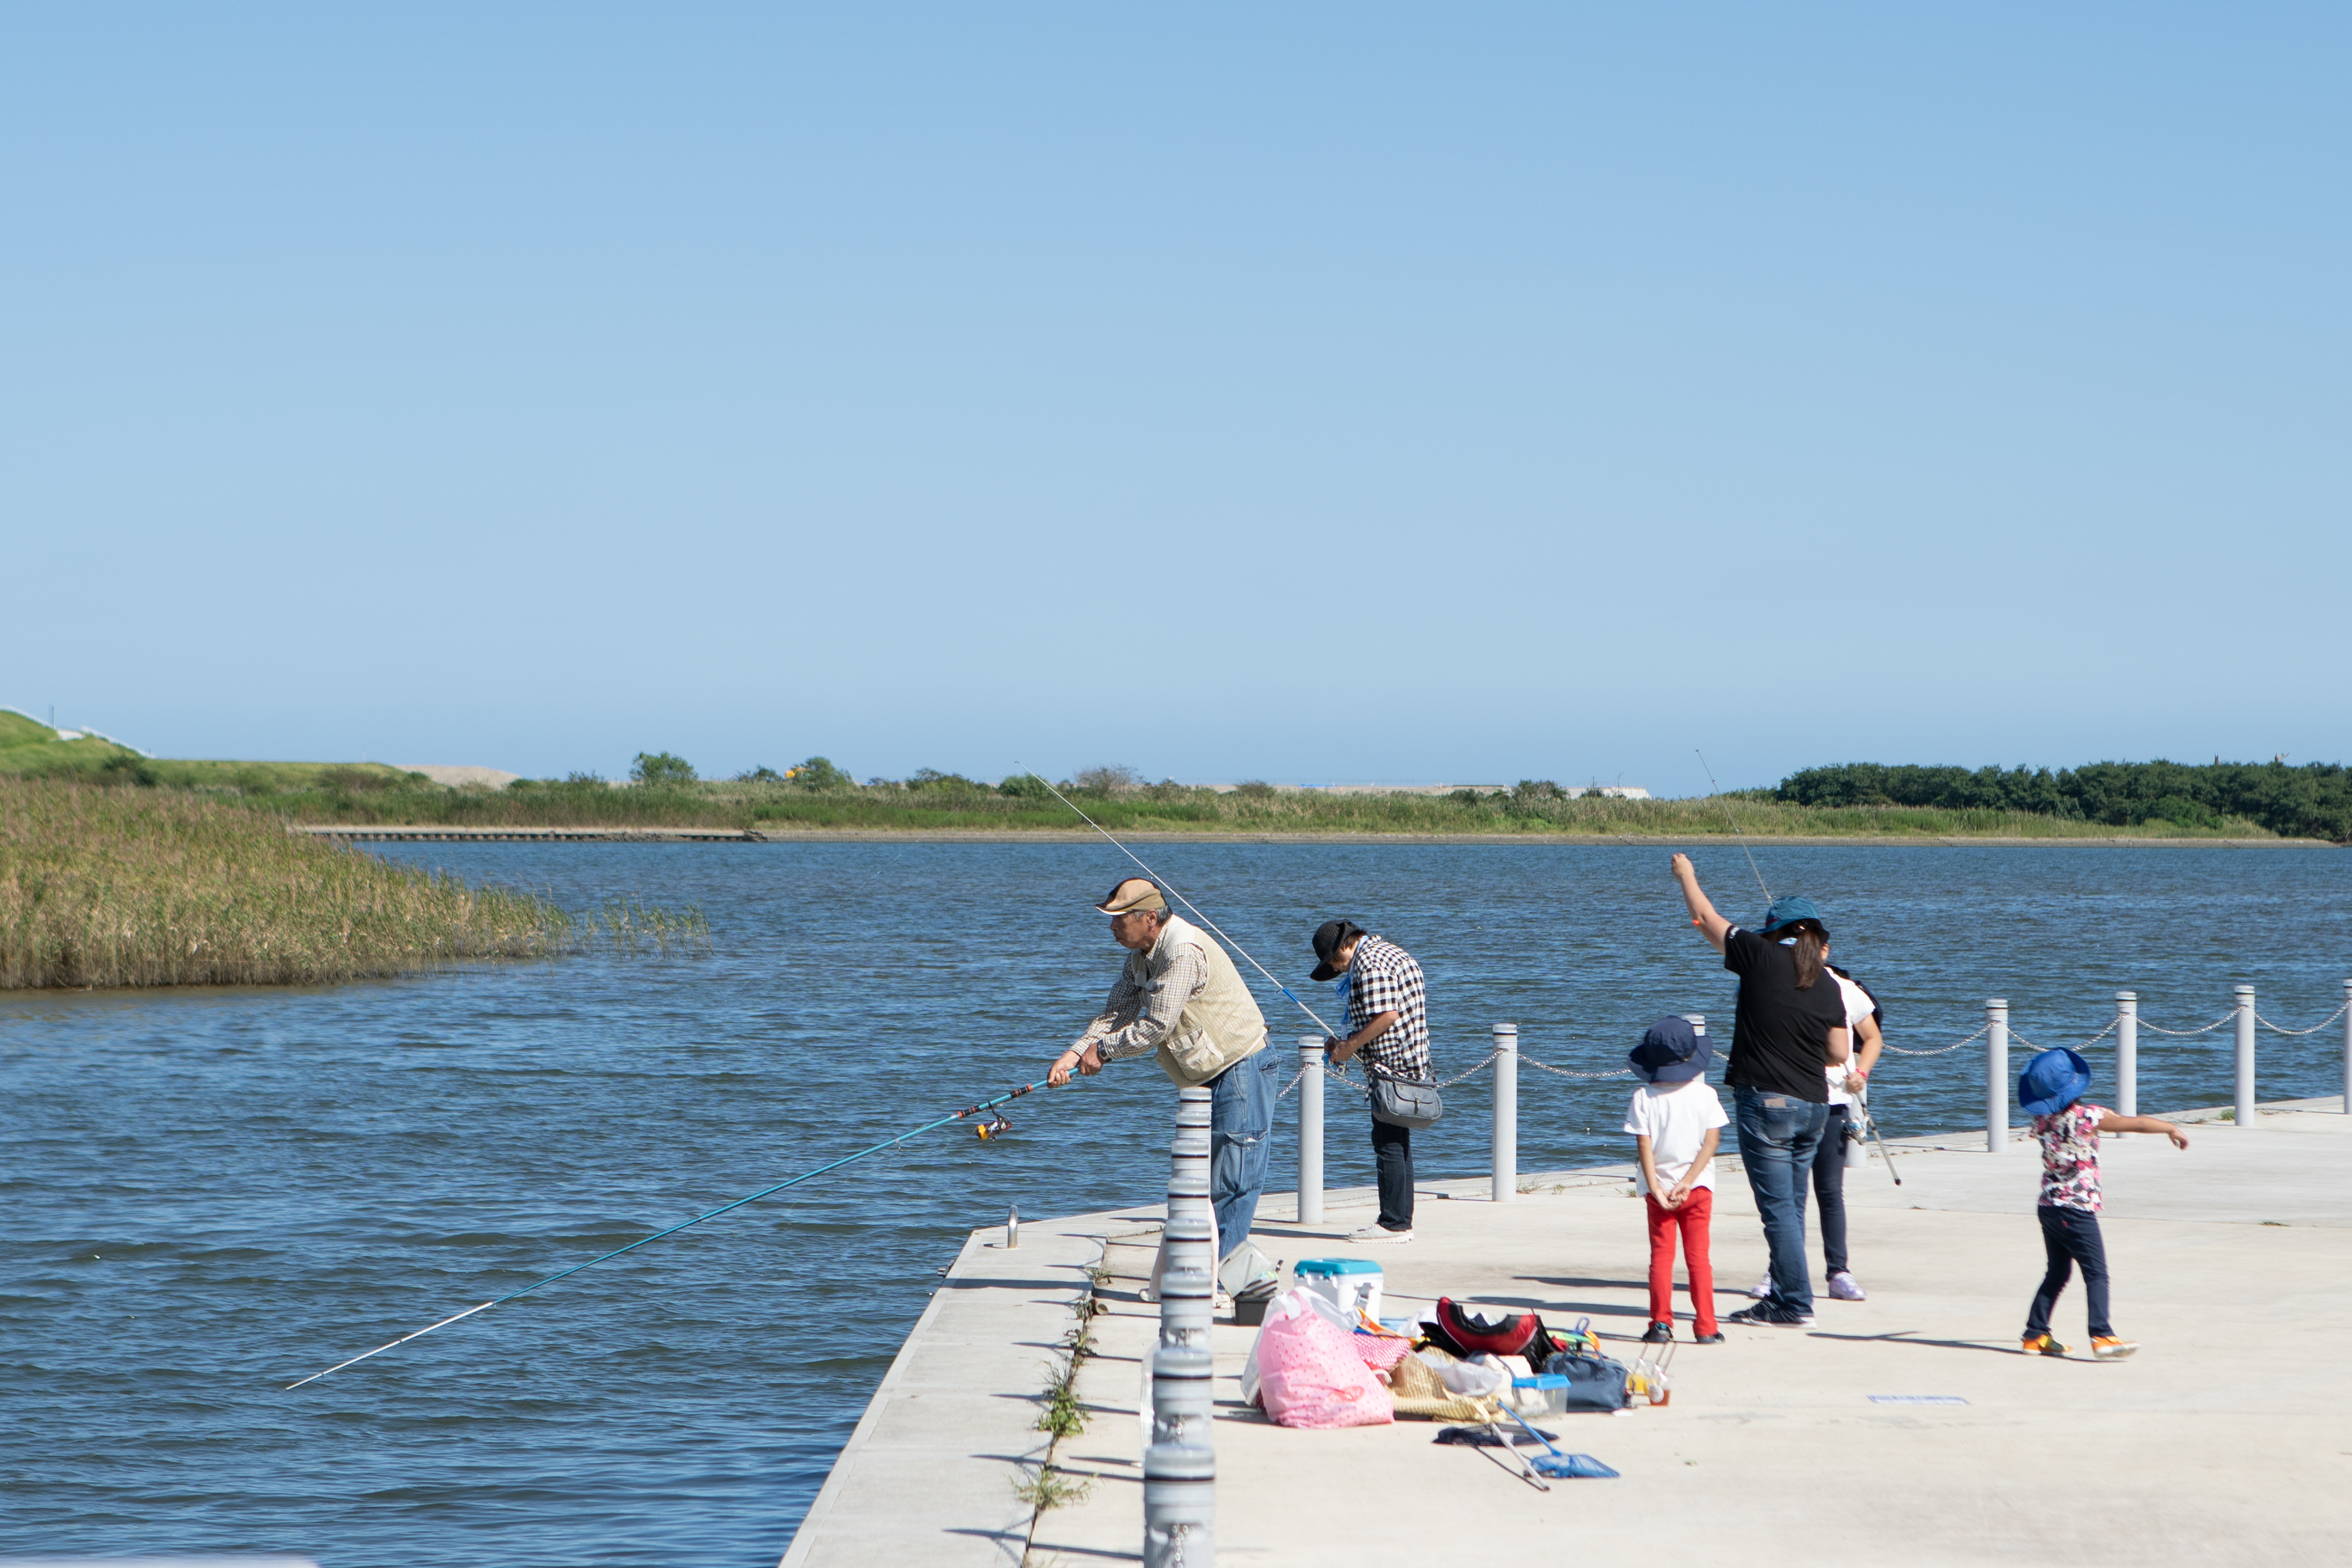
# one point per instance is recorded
(113, 885)
(30, 749)
(2149, 800)
(153, 886)
(1171, 808)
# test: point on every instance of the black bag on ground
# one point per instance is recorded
(1594, 1382)
(1403, 1101)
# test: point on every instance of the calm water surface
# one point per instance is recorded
(211, 1194)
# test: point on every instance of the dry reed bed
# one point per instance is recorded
(104, 887)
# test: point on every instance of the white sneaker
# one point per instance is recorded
(1844, 1287)
(1379, 1235)
(1763, 1287)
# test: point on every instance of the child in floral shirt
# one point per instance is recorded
(2050, 1089)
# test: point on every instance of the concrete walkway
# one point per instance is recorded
(2228, 1439)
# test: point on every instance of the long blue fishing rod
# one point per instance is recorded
(714, 1213)
(1181, 898)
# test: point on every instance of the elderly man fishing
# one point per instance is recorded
(1178, 999)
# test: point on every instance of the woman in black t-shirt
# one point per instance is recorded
(1788, 1028)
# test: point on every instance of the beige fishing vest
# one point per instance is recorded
(1219, 1026)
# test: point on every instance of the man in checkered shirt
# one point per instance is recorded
(1388, 1017)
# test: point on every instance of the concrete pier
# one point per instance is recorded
(2223, 1441)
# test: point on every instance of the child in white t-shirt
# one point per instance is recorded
(1676, 1121)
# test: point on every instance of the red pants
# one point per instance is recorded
(1691, 1219)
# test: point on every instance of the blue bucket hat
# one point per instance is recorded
(1786, 912)
(1670, 1052)
(2052, 1081)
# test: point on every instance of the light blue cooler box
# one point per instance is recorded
(1353, 1283)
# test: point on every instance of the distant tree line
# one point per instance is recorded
(2313, 801)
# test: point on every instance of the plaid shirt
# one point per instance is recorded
(1139, 1015)
(1384, 978)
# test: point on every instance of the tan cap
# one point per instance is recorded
(1133, 897)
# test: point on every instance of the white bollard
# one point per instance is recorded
(1180, 1507)
(2245, 1097)
(1506, 1113)
(1311, 1129)
(1996, 1075)
(2128, 1053)
(1180, 1476)
(2347, 1047)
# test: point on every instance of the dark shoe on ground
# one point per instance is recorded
(1659, 1335)
(2043, 1344)
(1767, 1314)
(1713, 1338)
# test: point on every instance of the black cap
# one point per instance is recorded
(1329, 938)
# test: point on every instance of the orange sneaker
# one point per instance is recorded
(2043, 1344)
(2107, 1347)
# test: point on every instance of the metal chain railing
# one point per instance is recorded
(2275, 1029)
(1940, 1051)
(1571, 1072)
(2017, 1039)
(2185, 1034)
(1341, 1076)
(1474, 1072)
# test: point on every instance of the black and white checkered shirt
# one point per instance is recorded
(1384, 977)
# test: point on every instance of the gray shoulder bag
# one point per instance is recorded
(1402, 1102)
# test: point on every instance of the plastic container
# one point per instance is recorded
(1544, 1393)
(1352, 1283)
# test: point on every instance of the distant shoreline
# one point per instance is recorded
(428, 833)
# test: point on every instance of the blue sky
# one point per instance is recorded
(1308, 393)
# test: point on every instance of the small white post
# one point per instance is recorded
(2128, 1053)
(1311, 1129)
(2245, 1098)
(1996, 1075)
(2347, 1047)
(1506, 1113)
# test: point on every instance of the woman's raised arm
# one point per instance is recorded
(1702, 912)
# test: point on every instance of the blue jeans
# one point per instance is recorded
(2070, 1236)
(1778, 1135)
(1241, 1143)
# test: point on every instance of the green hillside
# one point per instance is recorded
(30, 749)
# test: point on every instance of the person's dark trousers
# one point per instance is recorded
(1829, 1188)
(2070, 1236)
(1778, 1135)
(1240, 1143)
(1393, 1159)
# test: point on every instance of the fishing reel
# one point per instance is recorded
(994, 1126)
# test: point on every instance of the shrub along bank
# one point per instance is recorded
(2313, 800)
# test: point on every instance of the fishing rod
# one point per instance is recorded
(1870, 1129)
(714, 1213)
(1736, 833)
(1181, 898)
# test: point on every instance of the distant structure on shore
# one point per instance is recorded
(1570, 791)
(458, 775)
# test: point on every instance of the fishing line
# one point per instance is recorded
(1735, 824)
(1181, 898)
(714, 1213)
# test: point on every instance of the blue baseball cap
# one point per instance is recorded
(1786, 912)
(1670, 1052)
(2052, 1081)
